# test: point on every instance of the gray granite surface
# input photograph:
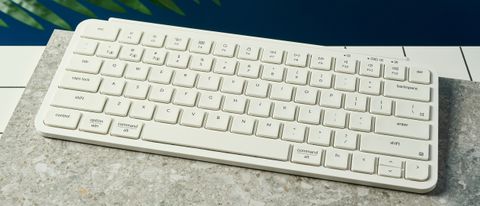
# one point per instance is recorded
(39, 171)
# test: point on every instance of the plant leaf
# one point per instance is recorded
(76, 6)
(137, 5)
(169, 4)
(3, 24)
(217, 2)
(108, 5)
(196, 1)
(19, 14)
(43, 12)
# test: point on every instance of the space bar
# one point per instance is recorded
(217, 141)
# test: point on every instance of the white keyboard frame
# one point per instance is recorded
(234, 159)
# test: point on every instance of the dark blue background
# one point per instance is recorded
(334, 22)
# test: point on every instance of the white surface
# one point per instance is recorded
(17, 64)
(472, 57)
(447, 61)
(9, 98)
(393, 51)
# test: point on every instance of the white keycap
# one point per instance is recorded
(345, 82)
(113, 68)
(217, 121)
(405, 90)
(131, 53)
(345, 65)
(321, 62)
(248, 52)
(243, 125)
(293, 132)
(417, 171)
(370, 68)
(95, 123)
(232, 85)
(117, 107)
(306, 95)
(184, 78)
(201, 46)
(154, 56)
(309, 114)
(321, 79)
(161, 75)
(63, 118)
(297, 76)
(161, 93)
(248, 69)
(281, 92)
(178, 59)
(129, 36)
(334, 118)
(210, 100)
(153, 39)
(108, 50)
(101, 32)
(192, 117)
(136, 90)
(268, 128)
(330, 98)
(126, 128)
(137, 71)
(208, 82)
(272, 56)
(201, 63)
(412, 110)
(402, 127)
(225, 66)
(86, 47)
(185, 97)
(284, 111)
(296, 58)
(79, 100)
(80, 82)
(363, 163)
(395, 146)
(142, 110)
(319, 135)
(177, 42)
(421, 76)
(355, 102)
(224, 49)
(257, 88)
(167, 114)
(389, 167)
(360, 122)
(336, 159)
(395, 72)
(112, 86)
(273, 72)
(259, 107)
(369, 85)
(380, 105)
(345, 139)
(84, 64)
(234, 104)
(305, 154)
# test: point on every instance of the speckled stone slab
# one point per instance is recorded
(39, 171)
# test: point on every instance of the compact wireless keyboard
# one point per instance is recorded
(253, 102)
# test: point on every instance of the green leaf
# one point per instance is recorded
(76, 6)
(169, 4)
(43, 12)
(196, 1)
(137, 5)
(217, 2)
(18, 13)
(3, 24)
(108, 5)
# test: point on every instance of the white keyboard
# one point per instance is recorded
(260, 103)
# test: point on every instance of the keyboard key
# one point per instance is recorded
(321, 79)
(356, 102)
(161, 75)
(380, 105)
(154, 56)
(395, 146)
(62, 118)
(136, 90)
(336, 159)
(248, 69)
(129, 36)
(334, 118)
(407, 91)
(217, 121)
(178, 60)
(185, 97)
(345, 82)
(360, 122)
(161, 93)
(297, 76)
(319, 135)
(389, 171)
(274, 56)
(201, 46)
(192, 118)
(184, 79)
(84, 64)
(80, 82)
(284, 111)
(108, 50)
(321, 62)
(281, 92)
(99, 124)
(79, 100)
(224, 49)
(112, 86)
(225, 66)
(309, 155)
(370, 68)
(412, 110)
(101, 32)
(331, 99)
(273, 72)
(257, 88)
(177, 43)
(421, 76)
(309, 114)
(142, 110)
(369, 86)
(345, 65)
(402, 127)
(293, 132)
(201, 63)
(113, 68)
(235, 104)
(306, 95)
(131, 53)
(117, 107)
(259, 108)
(417, 171)
(86, 47)
(167, 114)
(126, 128)
(363, 163)
(208, 82)
(297, 59)
(243, 125)
(395, 72)
(248, 52)
(268, 128)
(232, 85)
(345, 139)
(211, 101)
(137, 71)
(153, 39)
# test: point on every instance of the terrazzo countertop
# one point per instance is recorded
(40, 171)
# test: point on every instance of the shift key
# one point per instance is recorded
(402, 127)
(79, 100)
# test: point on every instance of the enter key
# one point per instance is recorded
(402, 127)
